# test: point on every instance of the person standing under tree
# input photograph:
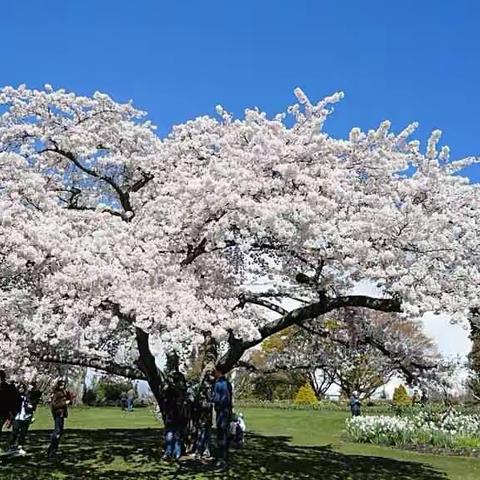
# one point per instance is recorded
(61, 399)
(21, 422)
(172, 422)
(5, 400)
(223, 402)
(130, 399)
(204, 426)
(123, 401)
(10, 401)
(355, 404)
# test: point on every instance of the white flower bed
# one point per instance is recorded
(438, 429)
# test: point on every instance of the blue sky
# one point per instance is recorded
(405, 61)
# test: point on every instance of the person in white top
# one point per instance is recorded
(21, 422)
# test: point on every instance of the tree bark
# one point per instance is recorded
(148, 366)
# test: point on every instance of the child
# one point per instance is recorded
(238, 430)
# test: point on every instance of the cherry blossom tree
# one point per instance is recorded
(116, 245)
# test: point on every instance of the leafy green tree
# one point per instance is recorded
(108, 390)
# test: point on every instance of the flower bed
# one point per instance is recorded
(447, 430)
(378, 406)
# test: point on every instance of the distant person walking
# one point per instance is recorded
(60, 401)
(130, 399)
(355, 404)
(123, 401)
(223, 403)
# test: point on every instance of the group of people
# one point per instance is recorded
(187, 415)
(188, 418)
(126, 400)
(419, 398)
(18, 404)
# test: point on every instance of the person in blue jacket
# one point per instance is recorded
(223, 403)
(355, 404)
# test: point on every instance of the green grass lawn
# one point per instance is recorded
(107, 444)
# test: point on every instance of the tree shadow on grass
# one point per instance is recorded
(113, 454)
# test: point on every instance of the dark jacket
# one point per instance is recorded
(10, 400)
(174, 407)
(35, 395)
(223, 395)
(59, 402)
(205, 408)
(355, 405)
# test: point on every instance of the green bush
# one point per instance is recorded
(467, 442)
(106, 392)
(89, 396)
(305, 396)
(401, 399)
(109, 391)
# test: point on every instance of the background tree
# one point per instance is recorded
(355, 349)
(260, 380)
(363, 370)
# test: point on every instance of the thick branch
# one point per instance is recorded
(146, 177)
(123, 197)
(147, 364)
(298, 316)
(78, 360)
(258, 300)
(268, 371)
(194, 252)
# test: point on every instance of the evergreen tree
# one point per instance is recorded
(305, 396)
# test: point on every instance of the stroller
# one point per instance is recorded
(238, 429)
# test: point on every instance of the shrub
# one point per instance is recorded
(106, 391)
(109, 391)
(467, 442)
(89, 396)
(401, 398)
(305, 396)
